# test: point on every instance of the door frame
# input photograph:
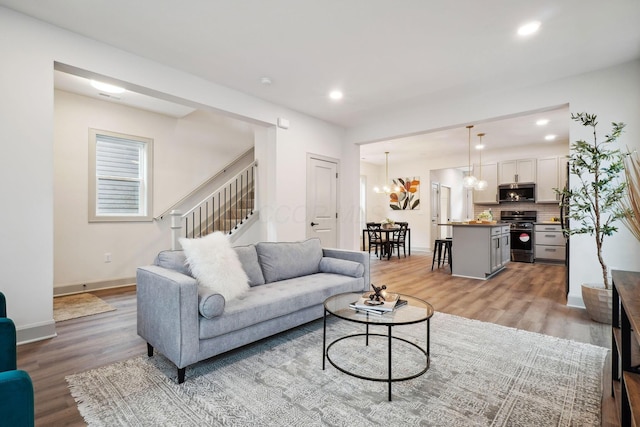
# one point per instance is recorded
(310, 157)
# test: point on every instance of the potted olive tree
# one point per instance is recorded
(594, 203)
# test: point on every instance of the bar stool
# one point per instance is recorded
(442, 251)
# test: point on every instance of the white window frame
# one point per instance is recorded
(145, 203)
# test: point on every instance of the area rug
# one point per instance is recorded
(78, 305)
(481, 374)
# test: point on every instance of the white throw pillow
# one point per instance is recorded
(216, 265)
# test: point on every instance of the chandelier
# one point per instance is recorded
(469, 181)
(386, 189)
(481, 184)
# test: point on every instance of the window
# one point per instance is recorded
(120, 171)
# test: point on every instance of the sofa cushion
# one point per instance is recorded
(210, 303)
(277, 299)
(285, 260)
(341, 266)
(216, 265)
(249, 260)
(173, 260)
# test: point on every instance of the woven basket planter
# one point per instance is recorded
(598, 302)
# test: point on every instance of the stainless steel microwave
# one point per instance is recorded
(517, 193)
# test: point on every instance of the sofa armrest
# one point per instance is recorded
(357, 256)
(16, 399)
(168, 313)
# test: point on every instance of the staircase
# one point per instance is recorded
(227, 209)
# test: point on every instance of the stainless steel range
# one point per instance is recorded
(521, 233)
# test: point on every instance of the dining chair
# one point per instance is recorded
(375, 237)
(399, 238)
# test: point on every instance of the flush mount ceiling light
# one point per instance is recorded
(481, 184)
(266, 81)
(542, 122)
(335, 95)
(469, 181)
(529, 28)
(106, 87)
(550, 137)
(386, 188)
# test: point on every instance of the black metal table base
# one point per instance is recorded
(389, 379)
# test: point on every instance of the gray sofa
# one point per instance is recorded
(289, 282)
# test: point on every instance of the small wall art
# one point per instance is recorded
(408, 196)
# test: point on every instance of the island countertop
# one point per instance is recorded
(466, 224)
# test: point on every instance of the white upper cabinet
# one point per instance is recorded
(517, 171)
(552, 173)
(488, 196)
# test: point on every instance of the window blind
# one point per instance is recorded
(119, 175)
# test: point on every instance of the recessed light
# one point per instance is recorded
(335, 95)
(105, 87)
(265, 81)
(542, 122)
(479, 146)
(529, 28)
(550, 137)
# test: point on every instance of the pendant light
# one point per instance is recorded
(469, 181)
(481, 184)
(386, 189)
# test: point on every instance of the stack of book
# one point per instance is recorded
(367, 305)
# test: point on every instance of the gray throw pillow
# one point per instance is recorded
(285, 260)
(341, 266)
(249, 260)
(173, 260)
(210, 303)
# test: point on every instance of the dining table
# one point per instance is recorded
(385, 232)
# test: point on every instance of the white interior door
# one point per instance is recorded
(322, 200)
(445, 211)
(435, 210)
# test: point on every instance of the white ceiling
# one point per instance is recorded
(511, 132)
(382, 54)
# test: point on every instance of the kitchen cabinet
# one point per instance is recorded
(488, 196)
(551, 173)
(549, 243)
(511, 171)
(480, 251)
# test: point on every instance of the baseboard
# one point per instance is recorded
(94, 286)
(37, 332)
(575, 301)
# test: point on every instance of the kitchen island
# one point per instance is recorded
(480, 251)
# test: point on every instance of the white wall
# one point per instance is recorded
(187, 151)
(613, 94)
(29, 49)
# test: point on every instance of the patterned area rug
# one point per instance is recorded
(78, 305)
(481, 374)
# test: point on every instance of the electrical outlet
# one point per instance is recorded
(107, 257)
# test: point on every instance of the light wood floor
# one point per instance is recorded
(525, 296)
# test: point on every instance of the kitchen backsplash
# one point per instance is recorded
(546, 211)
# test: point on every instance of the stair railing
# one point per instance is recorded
(223, 210)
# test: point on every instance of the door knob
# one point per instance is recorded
(313, 223)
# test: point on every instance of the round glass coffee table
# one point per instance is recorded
(415, 311)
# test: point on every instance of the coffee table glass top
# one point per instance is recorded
(416, 310)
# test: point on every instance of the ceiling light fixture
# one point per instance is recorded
(550, 137)
(106, 87)
(481, 184)
(266, 81)
(529, 28)
(469, 181)
(386, 189)
(335, 95)
(542, 122)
